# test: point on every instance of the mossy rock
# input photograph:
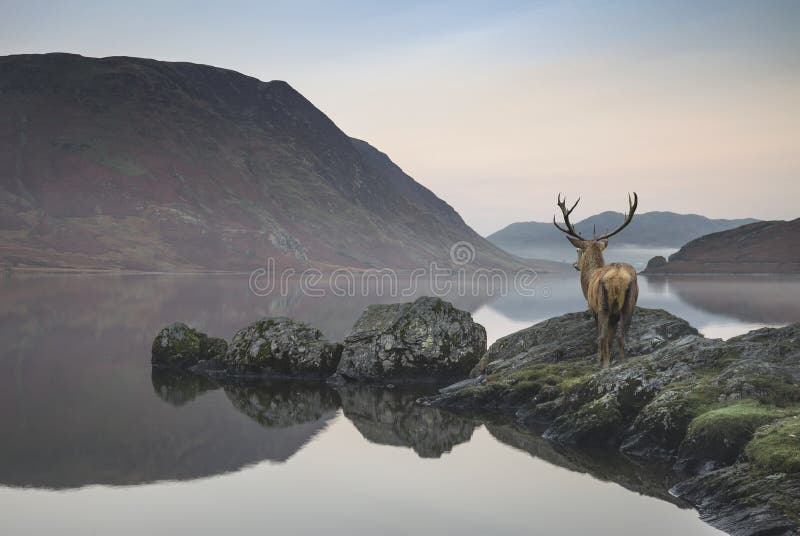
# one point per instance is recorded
(717, 437)
(179, 346)
(775, 448)
(661, 425)
(597, 423)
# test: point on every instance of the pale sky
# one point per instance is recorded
(498, 106)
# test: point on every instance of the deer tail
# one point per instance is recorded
(616, 284)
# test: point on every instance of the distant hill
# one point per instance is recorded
(656, 230)
(132, 163)
(762, 247)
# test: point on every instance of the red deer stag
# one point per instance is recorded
(610, 289)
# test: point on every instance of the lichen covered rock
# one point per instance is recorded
(281, 348)
(428, 340)
(179, 346)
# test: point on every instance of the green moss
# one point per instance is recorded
(698, 397)
(772, 390)
(776, 447)
(720, 434)
(554, 377)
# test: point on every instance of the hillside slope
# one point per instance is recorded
(762, 247)
(132, 163)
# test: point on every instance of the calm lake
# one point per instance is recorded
(95, 443)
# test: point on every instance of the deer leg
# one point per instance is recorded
(621, 339)
(610, 336)
(602, 339)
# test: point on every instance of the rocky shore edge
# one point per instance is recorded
(725, 415)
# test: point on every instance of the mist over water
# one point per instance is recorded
(82, 413)
(635, 255)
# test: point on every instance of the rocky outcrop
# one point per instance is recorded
(428, 340)
(701, 405)
(178, 346)
(281, 348)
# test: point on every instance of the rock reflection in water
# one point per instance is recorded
(180, 387)
(603, 464)
(284, 404)
(392, 417)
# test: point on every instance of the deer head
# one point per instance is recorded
(590, 248)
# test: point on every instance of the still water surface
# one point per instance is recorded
(94, 443)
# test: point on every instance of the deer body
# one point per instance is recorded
(611, 290)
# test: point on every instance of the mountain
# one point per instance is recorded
(132, 163)
(654, 230)
(763, 247)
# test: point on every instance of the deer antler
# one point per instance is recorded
(628, 217)
(570, 230)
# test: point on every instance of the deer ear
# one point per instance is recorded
(603, 243)
(576, 242)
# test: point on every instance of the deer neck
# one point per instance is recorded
(592, 259)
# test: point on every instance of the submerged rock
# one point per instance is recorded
(281, 348)
(179, 346)
(428, 340)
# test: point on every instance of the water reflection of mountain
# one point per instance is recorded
(153, 442)
(756, 299)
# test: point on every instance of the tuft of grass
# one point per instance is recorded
(776, 447)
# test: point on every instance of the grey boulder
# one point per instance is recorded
(281, 348)
(428, 340)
